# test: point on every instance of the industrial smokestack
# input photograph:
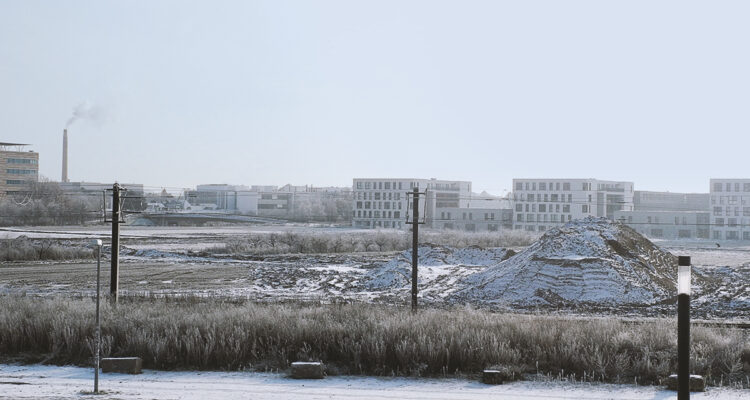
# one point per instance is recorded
(65, 156)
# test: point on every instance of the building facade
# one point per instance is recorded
(18, 168)
(730, 209)
(668, 201)
(541, 204)
(474, 219)
(667, 224)
(383, 203)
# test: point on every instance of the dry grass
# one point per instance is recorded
(24, 249)
(360, 339)
(315, 242)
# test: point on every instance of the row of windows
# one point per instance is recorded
(728, 211)
(544, 186)
(543, 208)
(731, 221)
(383, 185)
(376, 214)
(488, 216)
(383, 205)
(543, 217)
(15, 171)
(377, 196)
(16, 182)
(22, 161)
(731, 235)
(728, 186)
(731, 200)
(554, 197)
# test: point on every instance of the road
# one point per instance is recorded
(50, 382)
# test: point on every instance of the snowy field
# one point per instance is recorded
(183, 261)
(48, 382)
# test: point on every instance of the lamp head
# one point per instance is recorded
(683, 275)
(95, 243)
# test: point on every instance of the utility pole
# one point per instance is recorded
(115, 264)
(414, 245)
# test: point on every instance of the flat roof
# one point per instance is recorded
(14, 144)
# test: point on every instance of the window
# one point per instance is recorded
(683, 233)
(519, 207)
(732, 235)
(566, 208)
(745, 235)
(717, 187)
(737, 187)
(387, 186)
(519, 217)
(397, 214)
(359, 204)
(21, 161)
(728, 187)
(718, 210)
(542, 186)
(542, 208)
(719, 222)
(657, 233)
(15, 171)
(566, 186)
(15, 182)
(746, 187)
(585, 208)
(519, 185)
(553, 197)
(732, 222)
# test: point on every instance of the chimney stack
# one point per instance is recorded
(65, 157)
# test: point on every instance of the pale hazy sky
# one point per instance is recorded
(319, 92)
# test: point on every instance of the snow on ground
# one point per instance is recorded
(51, 382)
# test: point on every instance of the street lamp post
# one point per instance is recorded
(97, 245)
(683, 328)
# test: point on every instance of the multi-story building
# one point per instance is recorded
(474, 219)
(668, 201)
(667, 224)
(228, 198)
(18, 168)
(382, 203)
(540, 204)
(730, 209)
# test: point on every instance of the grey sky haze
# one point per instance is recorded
(320, 92)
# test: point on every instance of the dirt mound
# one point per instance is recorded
(592, 260)
(397, 271)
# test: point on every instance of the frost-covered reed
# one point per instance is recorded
(362, 339)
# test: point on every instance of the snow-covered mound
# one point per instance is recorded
(397, 271)
(592, 260)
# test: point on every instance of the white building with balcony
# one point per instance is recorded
(541, 204)
(730, 209)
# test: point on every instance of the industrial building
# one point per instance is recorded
(541, 204)
(18, 168)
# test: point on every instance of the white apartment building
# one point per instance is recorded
(730, 209)
(382, 203)
(541, 204)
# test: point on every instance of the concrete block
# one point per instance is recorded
(307, 370)
(697, 383)
(123, 365)
(493, 377)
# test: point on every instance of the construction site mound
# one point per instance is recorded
(588, 261)
(433, 259)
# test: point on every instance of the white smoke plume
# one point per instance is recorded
(86, 111)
